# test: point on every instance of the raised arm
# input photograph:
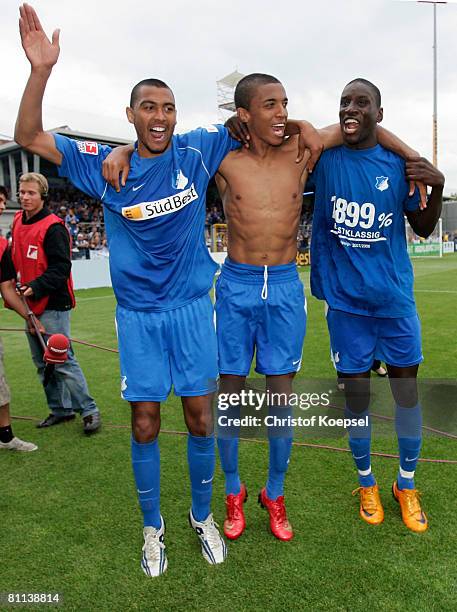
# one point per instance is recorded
(42, 55)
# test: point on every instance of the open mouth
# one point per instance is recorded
(279, 129)
(350, 125)
(158, 133)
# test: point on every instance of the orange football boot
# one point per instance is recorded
(371, 509)
(235, 523)
(411, 511)
(279, 525)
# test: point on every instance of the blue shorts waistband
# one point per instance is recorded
(255, 275)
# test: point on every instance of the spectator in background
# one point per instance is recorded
(47, 284)
(214, 216)
(62, 213)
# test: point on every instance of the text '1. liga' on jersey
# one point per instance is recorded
(155, 225)
(360, 262)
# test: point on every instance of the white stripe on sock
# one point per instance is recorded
(405, 474)
(365, 472)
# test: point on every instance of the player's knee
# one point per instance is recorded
(145, 428)
(357, 393)
(280, 385)
(201, 425)
(404, 391)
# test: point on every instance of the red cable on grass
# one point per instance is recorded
(75, 340)
(304, 444)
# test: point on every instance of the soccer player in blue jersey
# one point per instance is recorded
(161, 274)
(361, 268)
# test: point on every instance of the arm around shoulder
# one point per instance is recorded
(424, 221)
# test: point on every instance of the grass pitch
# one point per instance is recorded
(71, 522)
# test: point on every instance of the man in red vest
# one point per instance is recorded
(7, 273)
(41, 254)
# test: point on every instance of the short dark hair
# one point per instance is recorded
(146, 83)
(3, 191)
(372, 86)
(245, 90)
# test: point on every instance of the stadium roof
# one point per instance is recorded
(65, 130)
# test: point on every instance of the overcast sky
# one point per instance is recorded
(313, 48)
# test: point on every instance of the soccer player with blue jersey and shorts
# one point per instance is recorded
(361, 268)
(161, 273)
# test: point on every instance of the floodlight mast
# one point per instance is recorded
(435, 79)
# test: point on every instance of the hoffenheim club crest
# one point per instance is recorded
(180, 180)
(382, 183)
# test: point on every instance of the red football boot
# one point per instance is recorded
(279, 525)
(235, 523)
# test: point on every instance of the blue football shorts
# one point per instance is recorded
(357, 340)
(261, 309)
(158, 350)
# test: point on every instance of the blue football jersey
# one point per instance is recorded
(359, 259)
(155, 225)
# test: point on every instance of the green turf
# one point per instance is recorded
(71, 523)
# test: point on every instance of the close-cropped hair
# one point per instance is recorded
(246, 87)
(146, 83)
(372, 86)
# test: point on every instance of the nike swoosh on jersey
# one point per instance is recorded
(136, 187)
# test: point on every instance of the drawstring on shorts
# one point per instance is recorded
(265, 283)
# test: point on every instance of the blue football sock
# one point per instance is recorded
(280, 449)
(408, 424)
(227, 442)
(146, 470)
(360, 445)
(201, 457)
(280, 436)
(228, 453)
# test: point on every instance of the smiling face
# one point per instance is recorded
(359, 115)
(267, 113)
(154, 118)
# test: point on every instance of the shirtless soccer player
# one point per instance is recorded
(362, 270)
(260, 301)
(161, 274)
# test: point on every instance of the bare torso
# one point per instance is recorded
(262, 198)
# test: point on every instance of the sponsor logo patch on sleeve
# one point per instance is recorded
(85, 146)
(210, 128)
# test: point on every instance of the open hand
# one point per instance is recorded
(40, 51)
